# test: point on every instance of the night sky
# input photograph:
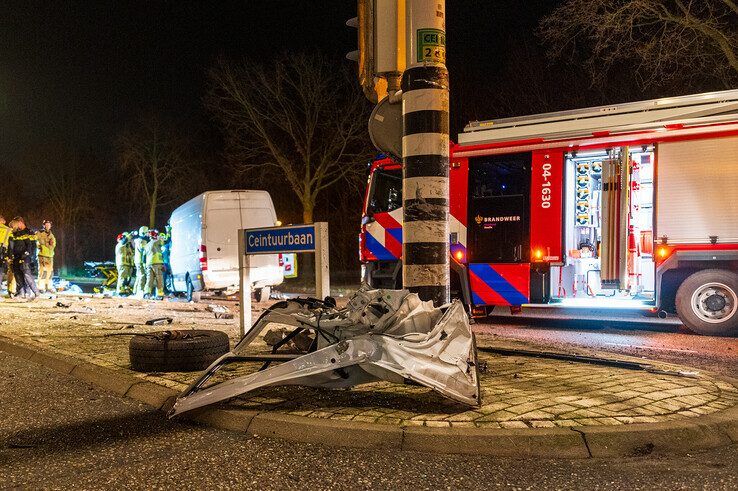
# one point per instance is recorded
(76, 72)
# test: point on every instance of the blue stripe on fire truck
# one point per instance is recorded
(498, 285)
(378, 250)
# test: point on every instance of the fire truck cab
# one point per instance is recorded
(625, 206)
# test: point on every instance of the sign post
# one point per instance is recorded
(322, 269)
(312, 238)
(244, 284)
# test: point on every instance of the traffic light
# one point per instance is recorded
(380, 58)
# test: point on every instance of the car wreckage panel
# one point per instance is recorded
(381, 335)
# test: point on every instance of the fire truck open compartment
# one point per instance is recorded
(608, 229)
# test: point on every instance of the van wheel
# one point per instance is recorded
(707, 302)
(262, 294)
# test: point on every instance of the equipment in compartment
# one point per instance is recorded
(609, 231)
(615, 211)
(583, 253)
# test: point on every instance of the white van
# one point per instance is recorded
(204, 252)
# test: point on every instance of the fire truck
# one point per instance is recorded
(626, 206)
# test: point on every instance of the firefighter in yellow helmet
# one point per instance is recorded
(46, 245)
(139, 260)
(124, 264)
(154, 266)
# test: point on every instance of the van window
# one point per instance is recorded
(386, 191)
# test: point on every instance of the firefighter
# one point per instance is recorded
(5, 232)
(124, 264)
(22, 249)
(154, 267)
(46, 246)
(139, 259)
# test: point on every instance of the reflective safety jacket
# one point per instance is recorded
(166, 247)
(153, 253)
(46, 243)
(139, 246)
(5, 232)
(123, 254)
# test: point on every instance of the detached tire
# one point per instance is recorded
(707, 302)
(177, 351)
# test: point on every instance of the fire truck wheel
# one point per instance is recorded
(262, 294)
(707, 302)
(177, 351)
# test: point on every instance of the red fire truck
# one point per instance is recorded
(624, 206)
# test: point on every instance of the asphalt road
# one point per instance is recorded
(59, 433)
(629, 334)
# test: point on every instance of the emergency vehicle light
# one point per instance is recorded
(662, 253)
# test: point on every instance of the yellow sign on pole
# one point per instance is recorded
(431, 46)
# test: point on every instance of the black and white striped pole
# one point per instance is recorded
(425, 147)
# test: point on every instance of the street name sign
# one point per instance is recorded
(310, 238)
(273, 240)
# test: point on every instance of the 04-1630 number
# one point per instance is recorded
(546, 186)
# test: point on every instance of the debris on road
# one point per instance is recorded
(159, 320)
(381, 335)
(220, 311)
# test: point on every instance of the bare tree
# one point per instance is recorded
(662, 40)
(60, 182)
(300, 119)
(154, 160)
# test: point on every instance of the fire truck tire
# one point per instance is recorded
(262, 294)
(184, 352)
(707, 302)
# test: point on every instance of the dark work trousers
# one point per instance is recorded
(24, 279)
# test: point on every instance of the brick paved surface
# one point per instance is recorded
(517, 392)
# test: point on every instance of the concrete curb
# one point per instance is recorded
(678, 437)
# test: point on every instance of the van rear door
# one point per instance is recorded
(221, 230)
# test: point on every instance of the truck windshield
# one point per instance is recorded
(386, 191)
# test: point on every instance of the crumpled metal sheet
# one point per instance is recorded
(381, 335)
